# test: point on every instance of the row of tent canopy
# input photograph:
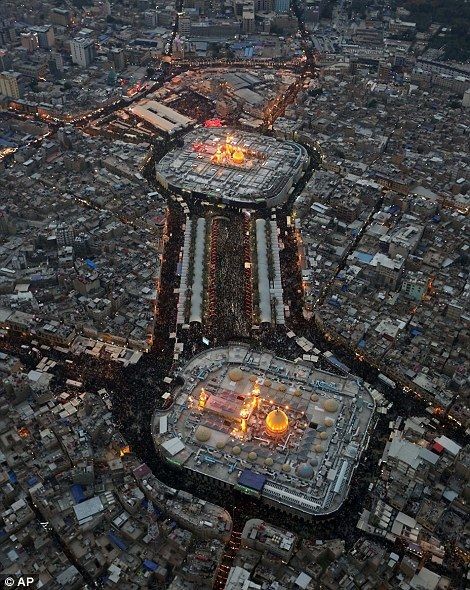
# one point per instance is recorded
(268, 293)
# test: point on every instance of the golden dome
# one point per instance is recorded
(277, 422)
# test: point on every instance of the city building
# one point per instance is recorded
(45, 35)
(281, 6)
(29, 41)
(60, 16)
(82, 51)
(11, 84)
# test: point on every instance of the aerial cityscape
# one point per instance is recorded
(235, 294)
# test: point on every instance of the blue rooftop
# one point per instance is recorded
(150, 565)
(77, 493)
(252, 480)
(363, 256)
(117, 541)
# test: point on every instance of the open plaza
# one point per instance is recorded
(276, 429)
(233, 167)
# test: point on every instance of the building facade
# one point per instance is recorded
(11, 84)
(82, 51)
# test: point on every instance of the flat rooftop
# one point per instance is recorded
(262, 169)
(307, 469)
(160, 116)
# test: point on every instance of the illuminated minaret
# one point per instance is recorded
(256, 396)
(203, 397)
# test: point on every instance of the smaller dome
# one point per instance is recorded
(220, 444)
(328, 422)
(313, 462)
(314, 397)
(252, 456)
(268, 461)
(236, 450)
(253, 378)
(268, 382)
(235, 374)
(297, 392)
(286, 468)
(323, 435)
(203, 434)
(305, 471)
(331, 405)
(318, 449)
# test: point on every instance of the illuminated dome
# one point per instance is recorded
(235, 374)
(331, 405)
(277, 422)
(238, 157)
(305, 471)
(203, 434)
